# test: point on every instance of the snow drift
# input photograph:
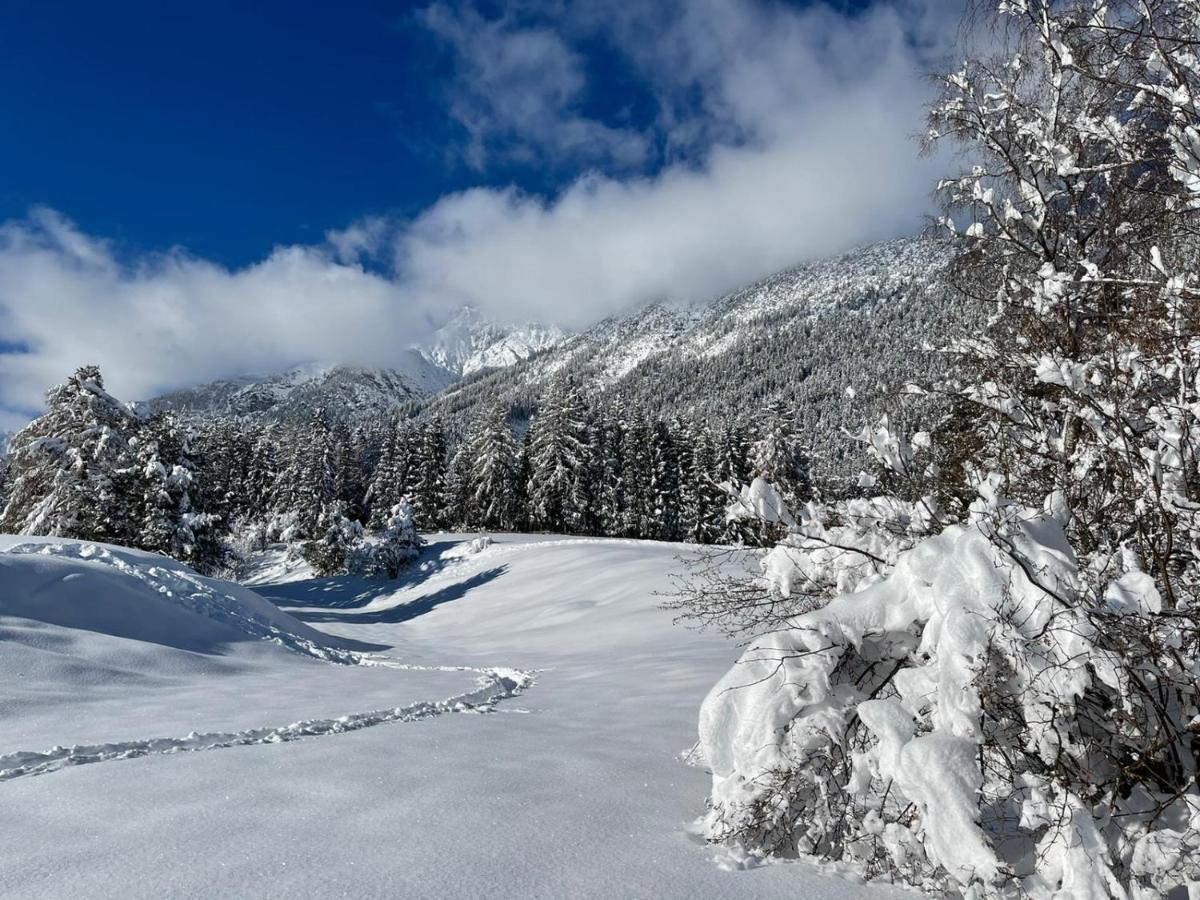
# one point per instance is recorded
(141, 596)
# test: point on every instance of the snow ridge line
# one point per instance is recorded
(495, 686)
(197, 594)
(194, 593)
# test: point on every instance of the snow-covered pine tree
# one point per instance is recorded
(777, 456)
(457, 508)
(732, 470)
(338, 537)
(386, 485)
(702, 503)
(261, 474)
(170, 516)
(425, 483)
(227, 449)
(315, 496)
(345, 460)
(664, 484)
(69, 468)
(396, 545)
(493, 472)
(560, 459)
(521, 505)
(287, 490)
(610, 478)
(637, 477)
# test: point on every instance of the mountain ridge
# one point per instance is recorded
(831, 337)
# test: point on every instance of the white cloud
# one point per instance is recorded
(787, 134)
(516, 91)
(801, 122)
(361, 240)
(172, 319)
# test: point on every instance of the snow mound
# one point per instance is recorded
(144, 597)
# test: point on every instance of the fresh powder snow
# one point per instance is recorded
(513, 718)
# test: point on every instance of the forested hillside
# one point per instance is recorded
(832, 340)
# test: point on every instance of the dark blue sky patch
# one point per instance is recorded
(232, 127)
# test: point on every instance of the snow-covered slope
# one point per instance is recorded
(833, 338)
(242, 768)
(139, 596)
(750, 321)
(470, 343)
(804, 335)
(343, 392)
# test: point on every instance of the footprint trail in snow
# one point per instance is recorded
(495, 686)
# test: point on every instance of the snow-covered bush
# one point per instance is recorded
(975, 720)
(826, 548)
(339, 538)
(345, 548)
(479, 544)
(394, 547)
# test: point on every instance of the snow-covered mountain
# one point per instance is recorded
(467, 344)
(832, 338)
(470, 342)
(344, 392)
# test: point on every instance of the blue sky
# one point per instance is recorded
(224, 127)
(193, 191)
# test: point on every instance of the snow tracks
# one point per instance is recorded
(495, 686)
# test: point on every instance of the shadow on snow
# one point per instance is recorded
(405, 611)
(337, 598)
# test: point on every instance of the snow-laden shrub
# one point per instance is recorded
(973, 722)
(1009, 707)
(345, 548)
(340, 538)
(827, 548)
(389, 551)
(479, 544)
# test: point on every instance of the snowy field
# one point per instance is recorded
(506, 722)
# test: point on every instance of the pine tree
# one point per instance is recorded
(425, 484)
(733, 472)
(560, 455)
(396, 545)
(611, 489)
(776, 454)
(457, 507)
(522, 517)
(69, 468)
(493, 473)
(702, 504)
(168, 512)
(261, 475)
(638, 478)
(337, 538)
(388, 478)
(664, 484)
